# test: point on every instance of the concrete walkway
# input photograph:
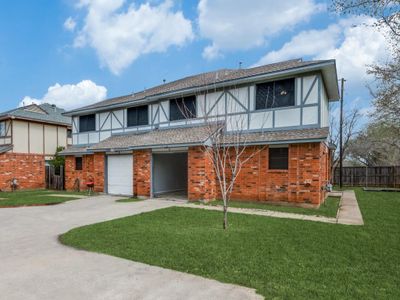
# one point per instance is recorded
(34, 265)
(349, 213)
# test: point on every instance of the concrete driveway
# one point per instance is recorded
(34, 265)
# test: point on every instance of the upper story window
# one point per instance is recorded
(138, 116)
(2, 128)
(182, 108)
(69, 133)
(275, 94)
(87, 123)
(278, 158)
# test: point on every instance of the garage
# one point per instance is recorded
(120, 174)
(170, 174)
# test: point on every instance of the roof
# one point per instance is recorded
(179, 136)
(75, 150)
(45, 113)
(5, 148)
(192, 136)
(223, 77)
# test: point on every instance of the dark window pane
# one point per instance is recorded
(182, 108)
(138, 116)
(78, 163)
(284, 93)
(275, 94)
(278, 158)
(87, 123)
(264, 95)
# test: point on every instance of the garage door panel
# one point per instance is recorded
(120, 174)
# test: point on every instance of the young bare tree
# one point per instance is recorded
(228, 147)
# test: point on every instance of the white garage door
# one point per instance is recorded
(120, 174)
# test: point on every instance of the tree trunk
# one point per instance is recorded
(225, 224)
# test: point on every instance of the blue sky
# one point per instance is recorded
(85, 51)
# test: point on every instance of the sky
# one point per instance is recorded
(75, 52)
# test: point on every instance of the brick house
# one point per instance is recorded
(145, 144)
(29, 136)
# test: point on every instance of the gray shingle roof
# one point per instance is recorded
(201, 80)
(5, 148)
(50, 114)
(75, 150)
(198, 136)
(156, 138)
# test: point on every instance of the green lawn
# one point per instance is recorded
(281, 258)
(34, 197)
(328, 209)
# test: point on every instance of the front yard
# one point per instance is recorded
(281, 258)
(35, 197)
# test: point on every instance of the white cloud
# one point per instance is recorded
(353, 47)
(120, 35)
(244, 25)
(69, 24)
(70, 96)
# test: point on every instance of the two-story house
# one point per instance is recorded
(29, 136)
(152, 142)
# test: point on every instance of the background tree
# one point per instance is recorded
(58, 160)
(350, 130)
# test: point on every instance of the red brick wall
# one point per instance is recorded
(301, 183)
(28, 169)
(92, 167)
(142, 173)
(201, 175)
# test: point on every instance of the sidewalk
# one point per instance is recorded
(349, 213)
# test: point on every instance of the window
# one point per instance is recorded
(87, 123)
(2, 128)
(69, 133)
(182, 108)
(78, 163)
(138, 116)
(275, 94)
(278, 158)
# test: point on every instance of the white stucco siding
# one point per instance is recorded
(287, 117)
(117, 119)
(261, 120)
(324, 108)
(238, 100)
(310, 115)
(20, 137)
(36, 138)
(50, 145)
(75, 125)
(105, 121)
(164, 111)
(310, 89)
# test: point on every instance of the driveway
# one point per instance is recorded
(34, 265)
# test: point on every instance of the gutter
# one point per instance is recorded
(242, 80)
(7, 117)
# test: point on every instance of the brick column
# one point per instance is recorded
(98, 172)
(305, 178)
(201, 175)
(142, 172)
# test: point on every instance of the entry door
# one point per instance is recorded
(120, 174)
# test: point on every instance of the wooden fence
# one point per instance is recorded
(54, 178)
(369, 176)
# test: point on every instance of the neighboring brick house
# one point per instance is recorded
(29, 136)
(145, 144)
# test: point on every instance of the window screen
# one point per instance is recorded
(87, 123)
(78, 163)
(278, 158)
(138, 116)
(275, 94)
(182, 108)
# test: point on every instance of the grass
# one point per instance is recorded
(132, 199)
(34, 197)
(328, 209)
(280, 258)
